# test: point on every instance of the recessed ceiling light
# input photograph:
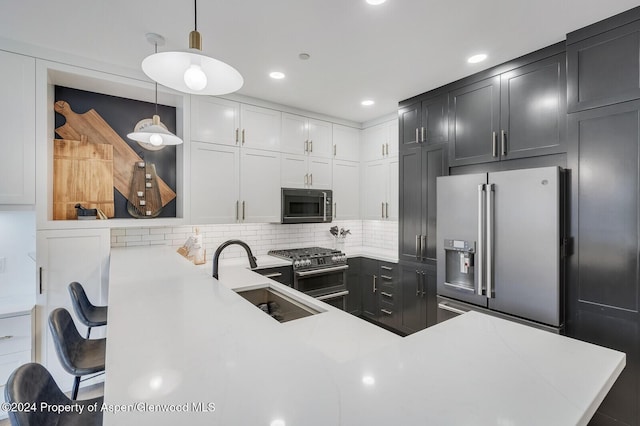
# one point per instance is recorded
(367, 102)
(304, 56)
(276, 75)
(375, 2)
(477, 58)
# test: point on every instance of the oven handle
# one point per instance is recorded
(322, 271)
(333, 295)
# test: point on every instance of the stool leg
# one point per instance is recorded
(76, 385)
(88, 332)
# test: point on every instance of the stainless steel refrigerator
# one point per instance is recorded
(500, 243)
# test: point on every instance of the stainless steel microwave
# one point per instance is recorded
(307, 205)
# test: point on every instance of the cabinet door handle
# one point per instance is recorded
(423, 284)
(6, 337)
(243, 210)
(311, 179)
(374, 284)
(382, 150)
(503, 139)
(422, 132)
(385, 294)
(242, 136)
(387, 209)
(423, 241)
(387, 148)
(382, 214)
(417, 135)
(386, 311)
(418, 281)
(306, 146)
(418, 240)
(311, 145)
(40, 279)
(494, 144)
(335, 150)
(237, 210)
(237, 131)
(335, 210)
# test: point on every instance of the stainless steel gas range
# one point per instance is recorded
(318, 272)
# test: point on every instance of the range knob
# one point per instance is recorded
(334, 258)
(296, 264)
(307, 262)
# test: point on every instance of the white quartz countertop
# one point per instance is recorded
(385, 255)
(178, 337)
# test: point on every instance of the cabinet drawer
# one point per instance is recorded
(10, 362)
(15, 334)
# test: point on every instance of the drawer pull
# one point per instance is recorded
(384, 293)
(6, 337)
(386, 268)
(386, 277)
(274, 275)
(385, 311)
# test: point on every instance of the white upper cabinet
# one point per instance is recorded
(302, 135)
(215, 120)
(260, 127)
(346, 190)
(17, 119)
(215, 183)
(346, 143)
(259, 186)
(301, 171)
(380, 141)
(380, 189)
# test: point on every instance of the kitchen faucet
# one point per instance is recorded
(216, 256)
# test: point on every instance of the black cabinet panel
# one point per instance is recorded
(435, 162)
(419, 306)
(607, 148)
(408, 122)
(435, 120)
(411, 219)
(533, 109)
(354, 298)
(604, 69)
(281, 274)
(475, 115)
(369, 285)
(620, 407)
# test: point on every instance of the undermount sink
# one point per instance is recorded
(276, 304)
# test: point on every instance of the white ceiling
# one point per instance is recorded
(387, 53)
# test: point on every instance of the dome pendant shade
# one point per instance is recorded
(155, 134)
(169, 68)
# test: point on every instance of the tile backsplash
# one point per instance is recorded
(263, 237)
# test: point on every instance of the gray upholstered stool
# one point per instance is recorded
(78, 356)
(89, 314)
(31, 383)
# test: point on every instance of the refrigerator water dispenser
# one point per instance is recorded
(459, 264)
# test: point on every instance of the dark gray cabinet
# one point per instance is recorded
(517, 114)
(424, 122)
(380, 292)
(281, 274)
(419, 168)
(354, 298)
(418, 296)
(603, 69)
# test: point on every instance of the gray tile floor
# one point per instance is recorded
(84, 393)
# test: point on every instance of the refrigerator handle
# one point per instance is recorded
(489, 235)
(480, 248)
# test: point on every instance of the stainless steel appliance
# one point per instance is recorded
(307, 205)
(500, 242)
(319, 272)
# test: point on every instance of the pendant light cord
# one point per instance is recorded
(156, 49)
(195, 14)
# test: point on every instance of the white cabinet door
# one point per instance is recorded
(294, 173)
(320, 138)
(346, 190)
(374, 189)
(393, 134)
(392, 189)
(320, 176)
(260, 127)
(65, 256)
(374, 141)
(215, 120)
(347, 143)
(260, 186)
(17, 120)
(215, 186)
(295, 134)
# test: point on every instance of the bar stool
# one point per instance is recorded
(78, 356)
(88, 314)
(32, 384)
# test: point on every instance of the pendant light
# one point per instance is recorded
(190, 71)
(155, 134)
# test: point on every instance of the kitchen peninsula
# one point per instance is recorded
(177, 336)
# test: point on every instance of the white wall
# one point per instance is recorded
(263, 237)
(17, 246)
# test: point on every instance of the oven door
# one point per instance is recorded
(326, 284)
(306, 205)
